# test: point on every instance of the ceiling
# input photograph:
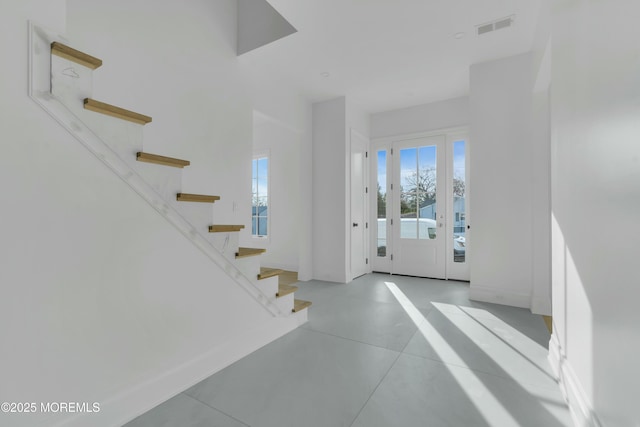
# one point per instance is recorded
(388, 54)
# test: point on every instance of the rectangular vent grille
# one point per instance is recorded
(504, 23)
(485, 29)
(496, 25)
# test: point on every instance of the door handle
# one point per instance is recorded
(355, 224)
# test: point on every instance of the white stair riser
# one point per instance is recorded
(200, 215)
(269, 285)
(166, 180)
(226, 243)
(249, 266)
(285, 303)
(301, 316)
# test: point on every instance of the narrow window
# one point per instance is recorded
(260, 197)
(382, 203)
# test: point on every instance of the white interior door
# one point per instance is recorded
(359, 223)
(419, 207)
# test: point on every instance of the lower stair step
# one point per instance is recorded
(286, 290)
(246, 252)
(161, 160)
(299, 305)
(199, 198)
(265, 273)
(224, 228)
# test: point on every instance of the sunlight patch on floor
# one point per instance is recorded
(439, 343)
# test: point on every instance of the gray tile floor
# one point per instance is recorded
(384, 351)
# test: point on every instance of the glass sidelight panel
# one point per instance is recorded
(382, 203)
(459, 206)
(260, 197)
(418, 193)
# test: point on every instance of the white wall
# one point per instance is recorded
(103, 300)
(330, 191)
(333, 122)
(541, 157)
(290, 111)
(595, 104)
(178, 65)
(421, 118)
(283, 146)
(501, 176)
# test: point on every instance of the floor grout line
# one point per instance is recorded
(375, 389)
(216, 409)
(352, 340)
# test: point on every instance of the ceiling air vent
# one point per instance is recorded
(482, 29)
(496, 25)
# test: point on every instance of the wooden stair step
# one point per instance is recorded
(299, 305)
(113, 111)
(285, 290)
(66, 52)
(247, 252)
(161, 160)
(265, 272)
(199, 198)
(288, 277)
(224, 228)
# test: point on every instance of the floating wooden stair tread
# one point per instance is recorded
(224, 228)
(199, 198)
(66, 52)
(247, 252)
(113, 111)
(288, 278)
(265, 272)
(285, 290)
(161, 160)
(299, 305)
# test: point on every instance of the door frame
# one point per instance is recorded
(356, 269)
(458, 271)
(452, 134)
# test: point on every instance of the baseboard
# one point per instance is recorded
(580, 406)
(131, 403)
(499, 296)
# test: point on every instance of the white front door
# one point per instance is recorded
(359, 223)
(419, 207)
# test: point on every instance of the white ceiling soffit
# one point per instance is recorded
(259, 24)
(388, 54)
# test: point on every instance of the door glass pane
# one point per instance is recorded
(418, 193)
(408, 193)
(459, 209)
(382, 203)
(426, 183)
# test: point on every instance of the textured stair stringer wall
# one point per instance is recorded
(122, 309)
(38, 88)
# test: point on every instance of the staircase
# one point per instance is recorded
(114, 134)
